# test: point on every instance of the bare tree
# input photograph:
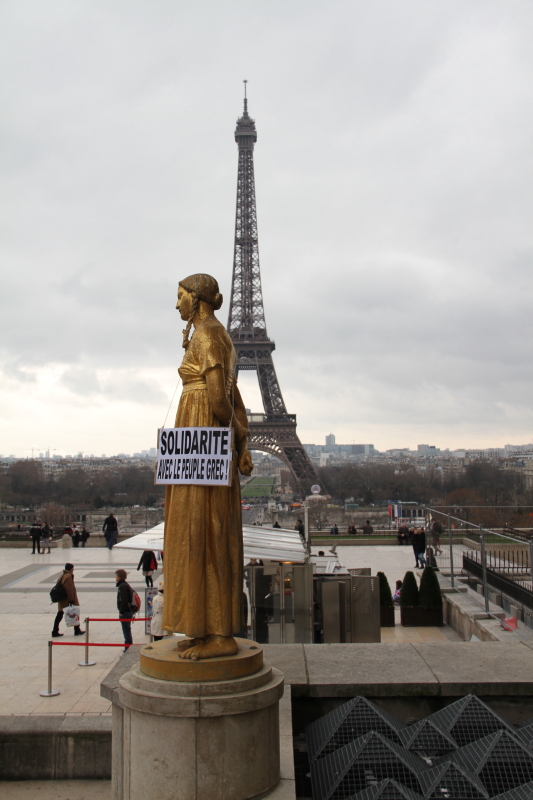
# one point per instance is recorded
(318, 515)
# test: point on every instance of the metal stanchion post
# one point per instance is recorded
(51, 692)
(531, 562)
(484, 568)
(450, 539)
(307, 531)
(86, 663)
(253, 609)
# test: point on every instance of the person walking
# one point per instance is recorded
(149, 564)
(36, 532)
(84, 535)
(419, 548)
(300, 527)
(415, 542)
(46, 533)
(76, 537)
(110, 529)
(156, 623)
(422, 547)
(436, 530)
(124, 603)
(70, 599)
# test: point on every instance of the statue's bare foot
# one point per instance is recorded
(185, 644)
(211, 648)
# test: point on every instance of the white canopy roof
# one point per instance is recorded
(275, 544)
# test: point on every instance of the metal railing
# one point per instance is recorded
(508, 587)
(50, 691)
(513, 554)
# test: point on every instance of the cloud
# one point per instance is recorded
(393, 170)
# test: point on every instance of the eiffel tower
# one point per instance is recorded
(274, 431)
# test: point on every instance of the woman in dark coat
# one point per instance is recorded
(148, 563)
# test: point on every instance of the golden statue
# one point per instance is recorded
(203, 524)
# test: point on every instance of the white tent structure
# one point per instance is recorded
(274, 544)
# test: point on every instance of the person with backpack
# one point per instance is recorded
(64, 594)
(149, 564)
(128, 603)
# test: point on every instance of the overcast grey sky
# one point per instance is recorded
(394, 192)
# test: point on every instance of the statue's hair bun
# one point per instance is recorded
(205, 287)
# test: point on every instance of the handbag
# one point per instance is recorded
(72, 616)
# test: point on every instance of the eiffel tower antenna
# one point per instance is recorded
(273, 431)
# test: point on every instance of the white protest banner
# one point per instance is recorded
(194, 456)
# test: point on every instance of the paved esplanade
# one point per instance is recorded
(26, 619)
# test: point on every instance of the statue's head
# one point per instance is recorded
(204, 287)
(192, 291)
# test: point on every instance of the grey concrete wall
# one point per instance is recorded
(54, 748)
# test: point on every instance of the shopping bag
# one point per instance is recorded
(509, 623)
(72, 616)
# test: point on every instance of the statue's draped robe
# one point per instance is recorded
(203, 556)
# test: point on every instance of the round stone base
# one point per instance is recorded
(161, 660)
(178, 740)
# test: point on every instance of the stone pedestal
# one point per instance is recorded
(190, 740)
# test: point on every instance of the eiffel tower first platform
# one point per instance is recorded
(274, 431)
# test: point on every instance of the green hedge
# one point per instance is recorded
(409, 594)
(385, 595)
(430, 594)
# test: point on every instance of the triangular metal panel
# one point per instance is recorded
(362, 763)
(500, 761)
(348, 722)
(450, 780)
(525, 734)
(524, 792)
(388, 789)
(425, 737)
(468, 719)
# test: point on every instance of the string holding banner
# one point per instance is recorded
(194, 456)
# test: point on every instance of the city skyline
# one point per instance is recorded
(151, 452)
(393, 170)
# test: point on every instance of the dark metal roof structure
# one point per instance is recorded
(348, 722)
(365, 761)
(360, 752)
(387, 790)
